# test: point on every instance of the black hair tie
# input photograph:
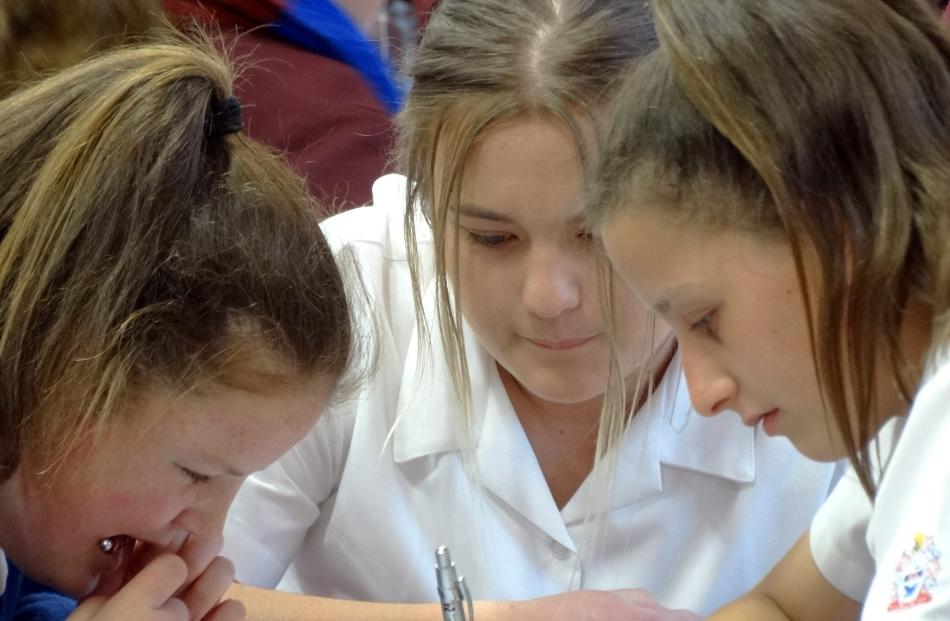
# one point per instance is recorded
(225, 117)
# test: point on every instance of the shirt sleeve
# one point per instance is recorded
(838, 538)
(910, 531)
(276, 507)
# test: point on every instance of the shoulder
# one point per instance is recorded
(370, 248)
(381, 224)
(909, 529)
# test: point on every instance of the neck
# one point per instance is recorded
(916, 341)
(563, 436)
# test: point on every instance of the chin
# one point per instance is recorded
(820, 449)
(75, 586)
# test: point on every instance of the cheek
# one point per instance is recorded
(142, 507)
(487, 290)
(775, 354)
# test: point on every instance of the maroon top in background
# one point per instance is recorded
(316, 110)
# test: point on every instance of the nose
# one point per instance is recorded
(205, 517)
(553, 283)
(711, 388)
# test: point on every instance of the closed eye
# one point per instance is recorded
(705, 325)
(489, 240)
(193, 476)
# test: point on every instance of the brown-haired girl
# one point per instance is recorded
(491, 380)
(171, 319)
(777, 186)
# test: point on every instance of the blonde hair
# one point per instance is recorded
(141, 245)
(481, 63)
(821, 123)
(41, 36)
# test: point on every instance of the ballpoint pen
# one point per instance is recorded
(453, 590)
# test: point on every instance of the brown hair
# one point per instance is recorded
(822, 123)
(141, 246)
(483, 62)
(39, 36)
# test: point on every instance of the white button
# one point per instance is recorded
(560, 552)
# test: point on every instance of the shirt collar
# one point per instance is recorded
(666, 432)
(671, 431)
(721, 445)
(429, 418)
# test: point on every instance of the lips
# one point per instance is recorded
(766, 418)
(562, 344)
(117, 564)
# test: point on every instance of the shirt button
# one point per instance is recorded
(559, 551)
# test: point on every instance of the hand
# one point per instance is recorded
(209, 576)
(197, 593)
(148, 596)
(621, 605)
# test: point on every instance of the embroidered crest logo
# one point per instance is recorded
(916, 574)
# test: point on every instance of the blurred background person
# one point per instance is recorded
(322, 83)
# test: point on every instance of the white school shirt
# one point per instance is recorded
(700, 509)
(3, 573)
(890, 556)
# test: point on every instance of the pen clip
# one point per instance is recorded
(466, 596)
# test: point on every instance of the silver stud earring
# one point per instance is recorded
(106, 545)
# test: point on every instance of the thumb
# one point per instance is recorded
(88, 609)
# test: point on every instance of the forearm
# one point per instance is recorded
(268, 605)
(624, 605)
(751, 607)
(794, 590)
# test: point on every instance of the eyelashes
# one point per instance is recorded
(497, 240)
(488, 240)
(705, 325)
(193, 476)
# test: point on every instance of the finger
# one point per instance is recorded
(205, 592)
(198, 553)
(145, 553)
(228, 610)
(111, 581)
(176, 544)
(173, 610)
(88, 609)
(152, 587)
(635, 597)
(143, 556)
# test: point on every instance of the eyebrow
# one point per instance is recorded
(471, 211)
(664, 305)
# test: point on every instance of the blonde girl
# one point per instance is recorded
(480, 430)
